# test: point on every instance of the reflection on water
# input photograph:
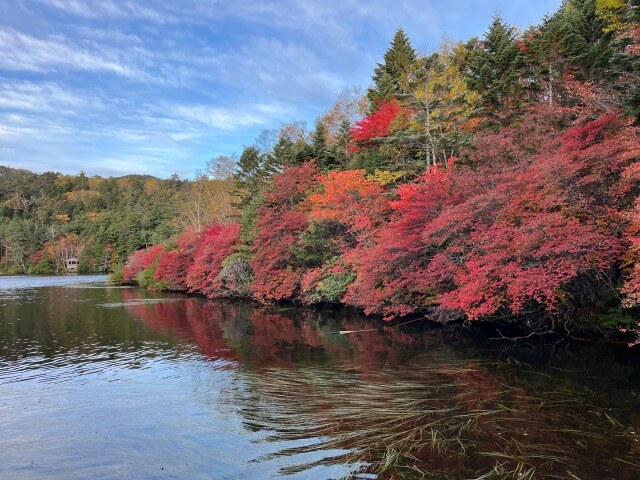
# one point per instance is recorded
(97, 382)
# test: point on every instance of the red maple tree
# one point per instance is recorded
(142, 260)
(379, 123)
(281, 220)
(214, 245)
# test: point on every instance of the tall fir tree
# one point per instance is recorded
(387, 77)
(494, 66)
(340, 147)
(250, 176)
(321, 152)
(283, 154)
(585, 39)
(304, 152)
(623, 18)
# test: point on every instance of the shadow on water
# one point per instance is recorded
(261, 392)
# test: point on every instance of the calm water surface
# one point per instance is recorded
(115, 383)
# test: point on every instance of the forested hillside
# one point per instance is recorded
(46, 219)
(494, 178)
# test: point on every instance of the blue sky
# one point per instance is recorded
(113, 87)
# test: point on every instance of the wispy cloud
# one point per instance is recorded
(19, 51)
(109, 9)
(154, 86)
(8, 132)
(219, 118)
(44, 97)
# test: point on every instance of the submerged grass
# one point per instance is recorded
(504, 471)
(454, 420)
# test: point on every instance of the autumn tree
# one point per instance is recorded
(141, 266)
(390, 276)
(493, 180)
(69, 246)
(350, 106)
(213, 246)
(529, 246)
(351, 198)
(340, 146)
(204, 201)
(382, 138)
(174, 264)
(442, 102)
(345, 212)
(280, 221)
(389, 117)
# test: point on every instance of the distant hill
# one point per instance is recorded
(48, 217)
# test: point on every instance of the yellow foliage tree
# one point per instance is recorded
(442, 100)
(613, 12)
(385, 177)
(204, 202)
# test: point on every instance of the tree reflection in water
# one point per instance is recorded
(402, 404)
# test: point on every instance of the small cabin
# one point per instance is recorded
(72, 264)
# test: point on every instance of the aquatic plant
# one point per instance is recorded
(438, 418)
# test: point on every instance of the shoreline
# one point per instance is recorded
(490, 329)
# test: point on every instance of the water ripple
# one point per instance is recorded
(107, 383)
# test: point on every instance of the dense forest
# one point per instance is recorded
(496, 178)
(47, 219)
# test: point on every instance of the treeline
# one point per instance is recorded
(47, 219)
(496, 178)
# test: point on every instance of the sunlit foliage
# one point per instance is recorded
(494, 179)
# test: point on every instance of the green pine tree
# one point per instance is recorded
(585, 40)
(283, 154)
(321, 152)
(625, 62)
(387, 78)
(250, 175)
(304, 152)
(494, 66)
(340, 148)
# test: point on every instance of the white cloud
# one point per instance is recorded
(331, 21)
(44, 97)
(183, 136)
(108, 8)
(140, 85)
(220, 118)
(9, 132)
(19, 51)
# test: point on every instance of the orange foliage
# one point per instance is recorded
(350, 198)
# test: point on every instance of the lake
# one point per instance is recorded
(108, 382)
